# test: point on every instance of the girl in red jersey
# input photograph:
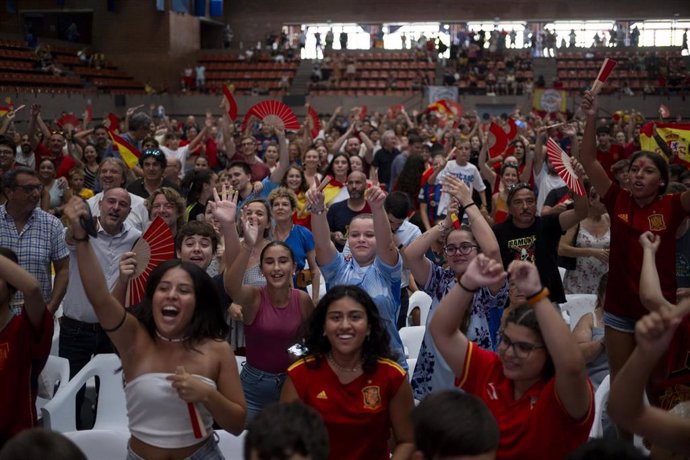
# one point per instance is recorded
(643, 208)
(351, 380)
(536, 385)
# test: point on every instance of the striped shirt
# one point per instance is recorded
(39, 243)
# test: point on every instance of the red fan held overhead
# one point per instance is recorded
(604, 72)
(273, 113)
(230, 103)
(315, 122)
(512, 134)
(500, 140)
(156, 245)
(561, 163)
(67, 119)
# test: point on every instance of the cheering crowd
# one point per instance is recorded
(300, 250)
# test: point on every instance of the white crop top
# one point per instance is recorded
(158, 416)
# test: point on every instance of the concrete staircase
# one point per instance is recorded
(545, 67)
(300, 84)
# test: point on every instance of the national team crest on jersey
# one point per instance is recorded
(656, 222)
(372, 397)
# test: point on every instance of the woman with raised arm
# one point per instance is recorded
(461, 246)
(27, 337)
(350, 377)
(535, 384)
(643, 208)
(375, 265)
(175, 358)
(300, 239)
(272, 314)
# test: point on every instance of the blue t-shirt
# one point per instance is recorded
(381, 282)
(301, 241)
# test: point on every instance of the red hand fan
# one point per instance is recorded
(274, 113)
(231, 103)
(561, 163)
(156, 245)
(501, 140)
(455, 108)
(363, 112)
(68, 119)
(513, 129)
(114, 121)
(604, 73)
(315, 122)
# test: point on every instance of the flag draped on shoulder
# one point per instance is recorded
(129, 153)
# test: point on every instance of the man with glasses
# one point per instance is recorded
(33, 234)
(528, 237)
(7, 155)
(153, 163)
(247, 153)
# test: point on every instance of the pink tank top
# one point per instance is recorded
(273, 331)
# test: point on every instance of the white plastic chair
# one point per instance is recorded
(230, 445)
(577, 305)
(322, 288)
(59, 413)
(561, 271)
(100, 444)
(53, 378)
(421, 300)
(412, 337)
(600, 398)
(411, 363)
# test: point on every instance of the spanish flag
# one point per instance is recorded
(130, 154)
(676, 135)
(4, 111)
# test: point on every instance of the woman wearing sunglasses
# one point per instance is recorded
(535, 384)
(462, 245)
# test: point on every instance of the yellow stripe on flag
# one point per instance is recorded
(130, 155)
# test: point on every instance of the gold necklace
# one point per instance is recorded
(331, 360)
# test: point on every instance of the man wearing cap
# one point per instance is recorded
(153, 163)
(526, 236)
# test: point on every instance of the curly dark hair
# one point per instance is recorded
(208, 321)
(375, 346)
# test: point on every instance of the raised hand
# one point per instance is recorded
(74, 210)
(589, 104)
(250, 231)
(654, 331)
(482, 271)
(457, 189)
(224, 206)
(650, 241)
(128, 265)
(315, 196)
(131, 110)
(376, 196)
(526, 276)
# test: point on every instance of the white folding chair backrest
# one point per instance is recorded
(55, 375)
(600, 398)
(240, 360)
(59, 413)
(100, 444)
(421, 300)
(230, 445)
(577, 305)
(561, 271)
(412, 337)
(411, 363)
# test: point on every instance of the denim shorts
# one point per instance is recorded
(208, 451)
(619, 323)
(260, 388)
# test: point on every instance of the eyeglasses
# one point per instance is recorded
(464, 249)
(244, 144)
(6, 152)
(522, 185)
(521, 349)
(28, 188)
